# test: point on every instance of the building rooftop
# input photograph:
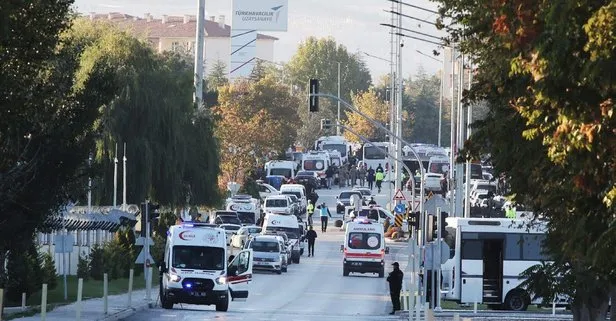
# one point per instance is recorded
(169, 26)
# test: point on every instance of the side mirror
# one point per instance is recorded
(387, 250)
(341, 248)
(232, 271)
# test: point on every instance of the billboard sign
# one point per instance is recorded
(262, 15)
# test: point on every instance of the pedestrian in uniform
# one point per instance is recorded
(310, 212)
(353, 175)
(395, 286)
(311, 236)
(379, 176)
(370, 177)
(362, 175)
(324, 213)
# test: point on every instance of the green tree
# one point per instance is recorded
(46, 119)
(154, 91)
(372, 106)
(545, 70)
(318, 58)
(310, 129)
(217, 76)
(424, 96)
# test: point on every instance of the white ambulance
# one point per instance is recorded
(364, 248)
(195, 268)
(288, 224)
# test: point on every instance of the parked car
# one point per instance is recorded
(296, 204)
(344, 200)
(268, 253)
(310, 180)
(279, 204)
(239, 239)
(266, 190)
(230, 230)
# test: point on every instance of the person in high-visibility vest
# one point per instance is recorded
(510, 212)
(379, 179)
(310, 211)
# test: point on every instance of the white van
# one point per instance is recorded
(364, 248)
(317, 162)
(274, 223)
(298, 190)
(248, 209)
(284, 168)
(195, 268)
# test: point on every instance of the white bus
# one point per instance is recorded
(334, 143)
(372, 156)
(488, 255)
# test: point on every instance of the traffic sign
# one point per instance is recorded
(141, 259)
(399, 196)
(64, 243)
(140, 241)
(414, 205)
(400, 208)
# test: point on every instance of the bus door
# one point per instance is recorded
(481, 268)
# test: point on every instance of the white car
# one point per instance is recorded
(239, 239)
(366, 193)
(230, 229)
(266, 190)
(278, 204)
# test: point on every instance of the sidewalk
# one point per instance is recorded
(92, 309)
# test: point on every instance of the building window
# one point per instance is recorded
(175, 46)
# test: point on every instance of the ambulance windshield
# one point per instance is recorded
(198, 257)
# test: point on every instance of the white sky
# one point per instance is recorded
(353, 23)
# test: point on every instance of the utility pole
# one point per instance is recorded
(124, 159)
(392, 91)
(440, 104)
(338, 119)
(459, 210)
(398, 182)
(198, 95)
(115, 177)
(469, 120)
(452, 138)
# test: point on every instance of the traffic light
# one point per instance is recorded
(326, 124)
(152, 215)
(443, 226)
(313, 100)
(432, 227)
(414, 219)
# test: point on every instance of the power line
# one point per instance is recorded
(410, 17)
(409, 30)
(413, 6)
(429, 41)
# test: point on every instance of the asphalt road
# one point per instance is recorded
(312, 290)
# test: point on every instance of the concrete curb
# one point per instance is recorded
(121, 315)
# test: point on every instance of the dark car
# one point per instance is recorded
(309, 179)
(344, 200)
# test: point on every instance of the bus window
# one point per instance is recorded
(513, 250)
(532, 249)
(472, 249)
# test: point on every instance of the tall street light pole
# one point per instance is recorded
(338, 119)
(198, 96)
(398, 182)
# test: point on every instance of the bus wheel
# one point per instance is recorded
(516, 300)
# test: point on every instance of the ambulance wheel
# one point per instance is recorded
(284, 269)
(164, 301)
(279, 271)
(223, 306)
(345, 271)
(382, 273)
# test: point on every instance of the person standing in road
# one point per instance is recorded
(379, 176)
(362, 175)
(372, 201)
(310, 212)
(379, 168)
(311, 236)
(370, 177)
(329, 174)
(324, 213)
(395, 286)
(353, 175)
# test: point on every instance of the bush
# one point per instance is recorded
(97, 262)
(48, 270)
(83, 268)
(23, 273)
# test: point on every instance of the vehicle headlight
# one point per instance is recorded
(175, 278)
(221, 280)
